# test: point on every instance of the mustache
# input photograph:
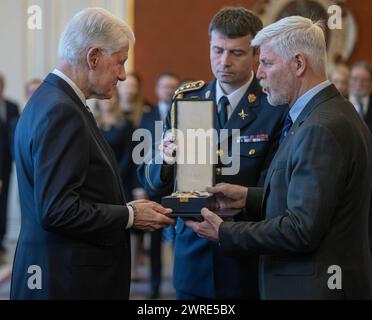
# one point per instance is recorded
(263, 84)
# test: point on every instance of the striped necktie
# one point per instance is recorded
(287, 125)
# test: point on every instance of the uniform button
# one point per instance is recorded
(252, 152)
(218, 171)
(219, 152)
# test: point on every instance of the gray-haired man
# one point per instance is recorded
(74, 240)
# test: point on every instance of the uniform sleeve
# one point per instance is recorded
(60, 152)
(156, 177)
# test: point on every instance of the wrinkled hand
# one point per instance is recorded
(229, 195)
(168, 148)
(151, 216)
(208, 229)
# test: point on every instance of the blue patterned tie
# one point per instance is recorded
(360, 108)
(287, 125)
(222, 114)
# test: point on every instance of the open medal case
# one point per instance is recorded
(194, 121)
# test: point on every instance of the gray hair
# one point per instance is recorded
(292, 35)
(93, 28)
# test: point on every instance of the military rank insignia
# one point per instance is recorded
(252, 98)
(253, 138)
(242, 114)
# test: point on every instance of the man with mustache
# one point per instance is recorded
(200, 269)
(309, 223)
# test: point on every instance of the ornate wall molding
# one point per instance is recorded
(340, 42)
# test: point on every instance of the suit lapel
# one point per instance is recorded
(101, 142)
(326, 94)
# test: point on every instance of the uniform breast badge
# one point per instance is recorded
(242, 114)
(252, 98)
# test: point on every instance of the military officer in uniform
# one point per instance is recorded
(200, 270)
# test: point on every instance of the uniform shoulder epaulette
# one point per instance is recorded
(189, 86)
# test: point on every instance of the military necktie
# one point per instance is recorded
(287, 125)
(222, 114)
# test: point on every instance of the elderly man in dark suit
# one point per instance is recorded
(309, 222)
(9, 114)
(74, 240)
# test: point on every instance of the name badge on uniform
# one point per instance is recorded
(253, 138)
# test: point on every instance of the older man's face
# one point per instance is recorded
(276, 75)
(109, 70)
(360, 83)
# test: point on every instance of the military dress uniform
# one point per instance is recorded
(200, 270)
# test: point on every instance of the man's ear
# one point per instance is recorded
(93, 56)
(300, 63)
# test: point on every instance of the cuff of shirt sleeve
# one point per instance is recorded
(130, 218)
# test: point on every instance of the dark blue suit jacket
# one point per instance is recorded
(73, 218)
(199, 267)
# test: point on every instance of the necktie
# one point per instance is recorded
(360, 108)
(222, 114)
(287, 125)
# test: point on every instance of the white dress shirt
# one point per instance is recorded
(365, 102)
(234, 97)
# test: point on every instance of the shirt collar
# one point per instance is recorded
(302, 101)
(365, 100)
(163, 109)
(234, 97)
(72, 84)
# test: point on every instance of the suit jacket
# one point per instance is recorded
(73, 218)
(313, 209)
(368, 116)
(200, 268)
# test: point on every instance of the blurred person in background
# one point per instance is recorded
(131, 99)
(132, 104)
(9, 113)
(340, 78)
(166, 84)
(117, 130)
(360, 87)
